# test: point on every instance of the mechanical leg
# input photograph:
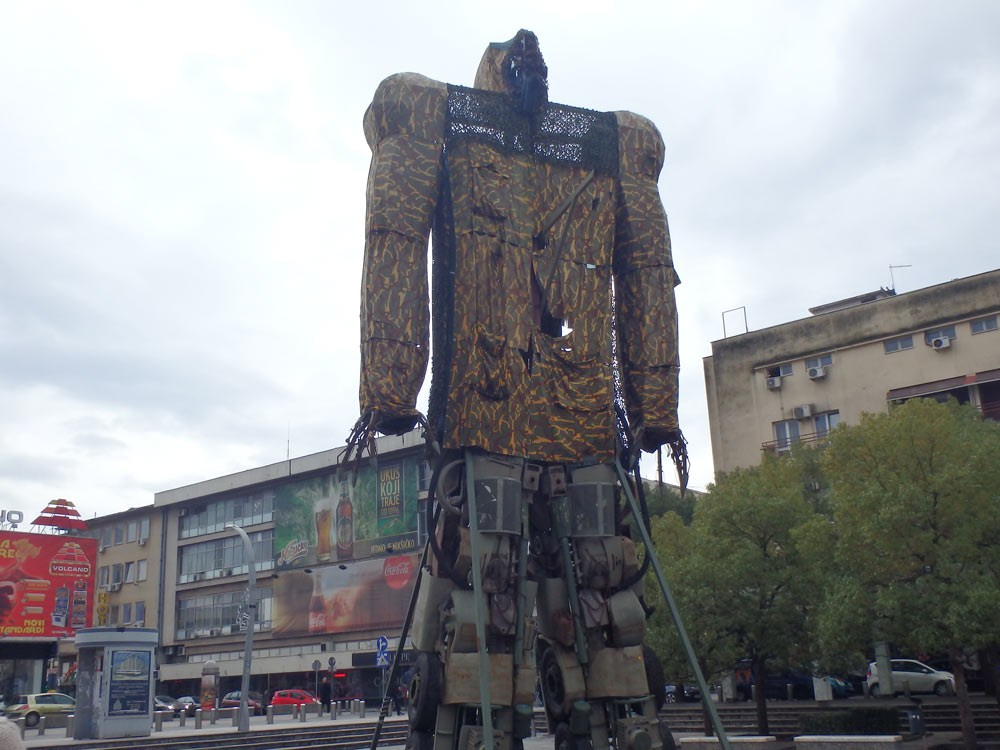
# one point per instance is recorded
(551, 530)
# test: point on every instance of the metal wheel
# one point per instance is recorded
(553, 690)
(418, 740)
(942, 688)
(31, 719)
(425, 692)
(670, 697)
(874, 691)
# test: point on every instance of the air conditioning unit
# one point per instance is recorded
(114, 587)
(815, 373)
(802, 412)
(143, 540)
(102, 548)
(178, 650)
(197, 576)
(215, 631)
(773, 384)
(940, 342)
(227, 571)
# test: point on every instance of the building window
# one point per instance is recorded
(140, 570)
(948, 332)
(242, 510)
(824, 360)
(984, 324)
(102, 575)
(826, 422)
(140, 614)
(224, 557)
(144, 529)
(119, 533)
(215, 614)
(785, 433)
(780, 371)
(898, 345)
(116, 573)
(107, 536)
(126, 614)
(129, 572)
(113, 614)
(132, 531)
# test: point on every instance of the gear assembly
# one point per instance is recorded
(550, 311)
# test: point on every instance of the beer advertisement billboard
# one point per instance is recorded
(333, 518)
(344, 597)
(46, 584)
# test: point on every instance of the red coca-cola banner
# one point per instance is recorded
(363, 595)
(46, 584)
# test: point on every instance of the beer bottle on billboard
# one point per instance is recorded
(317, 607)
(345, 524)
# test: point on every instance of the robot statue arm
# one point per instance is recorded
(644, 284)
(404, 127)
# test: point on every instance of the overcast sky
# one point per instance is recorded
(182, 198)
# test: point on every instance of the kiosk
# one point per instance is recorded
(114, 689)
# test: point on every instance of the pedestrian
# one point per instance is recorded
(324, 695)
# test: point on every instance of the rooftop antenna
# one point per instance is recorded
(893, 278)
(288, 443)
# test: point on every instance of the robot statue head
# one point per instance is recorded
(516, 67)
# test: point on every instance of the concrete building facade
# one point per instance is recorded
(794, 382)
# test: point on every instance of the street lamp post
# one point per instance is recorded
(243, 719)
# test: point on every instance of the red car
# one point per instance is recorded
(232, 700)
(292, 698)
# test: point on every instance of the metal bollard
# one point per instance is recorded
(236, 717)
(198, 718)
(41, 725)
(182, 717)
(302, 712)
(361, 710)
(270, 714)
(213, 716)
(335, 710)
(158, 721)
(70, 721)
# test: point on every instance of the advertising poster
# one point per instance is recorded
(128, 692)
(331, 519)
(341, 598)
(46, 584)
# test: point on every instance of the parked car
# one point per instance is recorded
(920, 678)
(841, 688)
(185, 703)
(254, 702)
(293, 697)
(33, 707)
(163, 703)
(690, 695)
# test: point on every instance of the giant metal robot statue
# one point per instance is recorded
(555, 361)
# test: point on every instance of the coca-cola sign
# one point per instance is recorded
(397, 571)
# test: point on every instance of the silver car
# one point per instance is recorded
(919, 677)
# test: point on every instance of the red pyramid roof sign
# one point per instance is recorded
(61, 514)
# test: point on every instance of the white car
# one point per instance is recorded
(919, 677)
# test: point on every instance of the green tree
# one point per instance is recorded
(662, 498)
(737, 574)
(914, 534)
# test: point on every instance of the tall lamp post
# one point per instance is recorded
(243, 719)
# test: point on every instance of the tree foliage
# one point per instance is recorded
(737, 574)
(914, 535)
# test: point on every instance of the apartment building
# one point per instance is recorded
(793, 382)
(127, 580)
(335, 557)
